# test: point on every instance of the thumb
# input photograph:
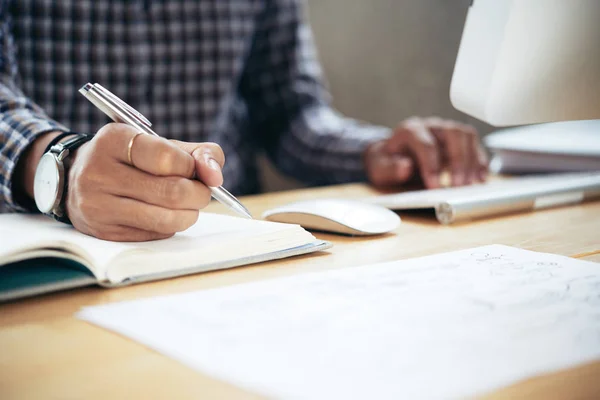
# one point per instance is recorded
(384, 169)
(209, 160)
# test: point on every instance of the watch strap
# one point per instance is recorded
(71, 144)
(58, 148)
(57, 139)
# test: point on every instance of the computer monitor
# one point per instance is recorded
(529, 61)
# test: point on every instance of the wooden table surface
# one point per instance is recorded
(46, 353)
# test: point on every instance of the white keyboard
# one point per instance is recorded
(530, 191)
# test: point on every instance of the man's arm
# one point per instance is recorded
(144, 193)
(291, 113)
(290, 105)
(25, 129)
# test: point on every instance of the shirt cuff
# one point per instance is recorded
(350, 161)
(326, 148)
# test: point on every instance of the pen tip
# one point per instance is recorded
(243, 211)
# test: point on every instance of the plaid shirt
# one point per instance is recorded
(241, 73)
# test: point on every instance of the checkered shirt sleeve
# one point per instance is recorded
(21, 120)
(291, 107)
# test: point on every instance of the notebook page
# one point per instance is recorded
(19, 232)
(213, 239)
(25, 233)
(445, 326)
(211, 229)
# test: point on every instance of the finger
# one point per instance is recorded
(386, 169)
(135, 214)
(212, 149)
(93, 219)
(425, 148)
(160, 157)
(478, 158)
(473, 167)
(148, 153)
(483, 162)
(172, 192)
(209, 161)
(456, 146)
(459, 142)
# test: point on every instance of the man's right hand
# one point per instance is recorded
(154, 198)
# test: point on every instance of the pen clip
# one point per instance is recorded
(115, 108)
(121, 103)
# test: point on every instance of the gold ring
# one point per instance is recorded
(130, 146)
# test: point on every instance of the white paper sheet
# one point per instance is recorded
(443, 326)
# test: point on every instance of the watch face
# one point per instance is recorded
(47, 183)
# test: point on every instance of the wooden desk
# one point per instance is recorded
(46, 353)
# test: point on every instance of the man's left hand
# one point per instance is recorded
(424, 148)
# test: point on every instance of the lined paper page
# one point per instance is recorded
(444, 326)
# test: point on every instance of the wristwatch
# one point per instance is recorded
(50, 182)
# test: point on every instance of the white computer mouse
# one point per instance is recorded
(336, 215)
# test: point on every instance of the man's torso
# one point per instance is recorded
(178, 62)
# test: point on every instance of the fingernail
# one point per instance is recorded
(213, 164)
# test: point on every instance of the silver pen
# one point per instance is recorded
(119, 111)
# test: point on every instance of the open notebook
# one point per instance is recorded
(497, 197)
(39, 255)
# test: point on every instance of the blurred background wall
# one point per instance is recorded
(386, 60)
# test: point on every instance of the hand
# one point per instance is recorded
(423, 148)
(154, 198)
